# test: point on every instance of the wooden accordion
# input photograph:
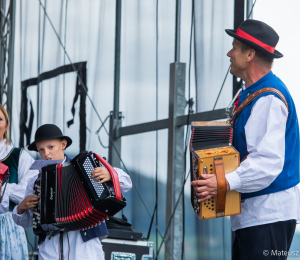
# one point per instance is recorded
(71, 200)
(211, 152)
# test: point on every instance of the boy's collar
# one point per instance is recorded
(67, 159)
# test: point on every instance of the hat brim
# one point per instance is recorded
(276, 54)
(32, 146)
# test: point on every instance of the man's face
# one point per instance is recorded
(238, 59)
(52, 149)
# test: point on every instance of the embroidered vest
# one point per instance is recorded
(12, 161)
(289, 177)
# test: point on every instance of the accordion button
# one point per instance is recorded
(84, 233)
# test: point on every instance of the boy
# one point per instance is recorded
(50, 143)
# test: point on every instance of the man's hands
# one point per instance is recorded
(28, 203)
(207, 187)
(101, 173)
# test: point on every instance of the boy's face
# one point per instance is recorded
(52, 149)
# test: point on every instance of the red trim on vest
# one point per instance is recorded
(247, 36)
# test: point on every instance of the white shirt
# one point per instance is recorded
(77, 249)
(15, 192)
(265, 137)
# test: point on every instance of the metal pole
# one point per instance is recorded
(115, 116)
(2, 50)
(177, 30)
(239, 17)
(117, 59)
(176, 165)
(11, 59)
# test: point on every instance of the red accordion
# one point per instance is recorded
(3, 173)
(71, 200)
(4, 176)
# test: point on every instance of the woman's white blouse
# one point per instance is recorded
(15, 192)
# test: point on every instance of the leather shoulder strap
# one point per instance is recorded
(249, 99)
(221, 182)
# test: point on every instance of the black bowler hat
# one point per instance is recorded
(258, 36)
(46, 132)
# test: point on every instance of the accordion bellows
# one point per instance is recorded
(211, 152)
(71, 200)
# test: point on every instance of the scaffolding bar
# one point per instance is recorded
(115, 123)
(11, 59)
(164, 123)
(176, 165)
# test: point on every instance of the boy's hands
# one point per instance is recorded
(101, 173)
(28, 203)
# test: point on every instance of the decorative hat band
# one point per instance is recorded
(247, 36)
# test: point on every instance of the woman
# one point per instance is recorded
(13, 244)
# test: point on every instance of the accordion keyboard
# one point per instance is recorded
(89, 168)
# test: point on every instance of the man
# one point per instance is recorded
(266, 134)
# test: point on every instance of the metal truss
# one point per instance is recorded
(7, 34)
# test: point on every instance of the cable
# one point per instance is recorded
(250, 13)
(188, 121)
(176, 204)
(64, 85)
(98, 135)
(39, 66)
(21, 38)
(156, 137)
(229, 65)
(97, 114)
(221, 87)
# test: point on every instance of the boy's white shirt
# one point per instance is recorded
(78, 249)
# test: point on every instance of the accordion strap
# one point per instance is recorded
(249, 99)
(220, 172)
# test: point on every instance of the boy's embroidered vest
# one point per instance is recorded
(289, 177)
(12, 161)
